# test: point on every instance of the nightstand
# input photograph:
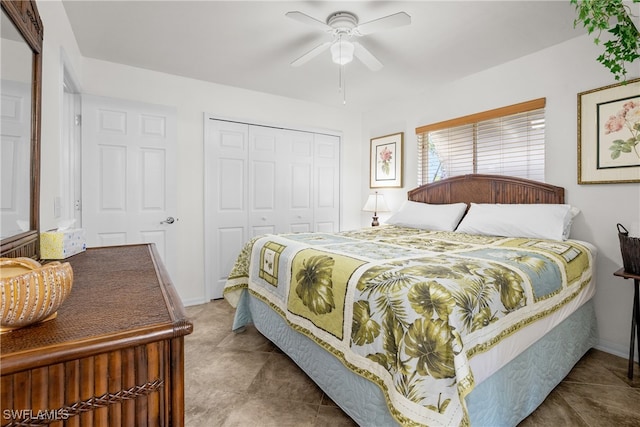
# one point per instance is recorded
(635, 317)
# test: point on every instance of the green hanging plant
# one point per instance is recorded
(614, 17)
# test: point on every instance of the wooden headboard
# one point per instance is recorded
(479, 188)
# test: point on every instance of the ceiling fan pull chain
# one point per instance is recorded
(344, 86)
(342, 73)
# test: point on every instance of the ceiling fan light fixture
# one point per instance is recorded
(342, 52)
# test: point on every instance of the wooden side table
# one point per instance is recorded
(635, 317)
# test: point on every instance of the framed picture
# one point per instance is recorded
(386, 161)
(609, 134)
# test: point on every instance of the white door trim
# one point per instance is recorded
(70, 199)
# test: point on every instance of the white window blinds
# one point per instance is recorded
(505, 141)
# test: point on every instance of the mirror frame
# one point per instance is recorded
(25, 16)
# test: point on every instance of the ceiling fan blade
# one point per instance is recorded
(366, 57)
(306, 19)
(387, 22)
(311, 54)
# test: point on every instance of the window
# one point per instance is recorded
(504, 141)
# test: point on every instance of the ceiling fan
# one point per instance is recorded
(344, 28)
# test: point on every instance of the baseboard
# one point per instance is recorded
(193, 301)
(615, 349)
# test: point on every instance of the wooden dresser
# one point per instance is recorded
(114, 356)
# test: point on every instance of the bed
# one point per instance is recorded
(445, 324)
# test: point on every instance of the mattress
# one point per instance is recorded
(425, 316)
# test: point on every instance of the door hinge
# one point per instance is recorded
(77, 205)
(78, 119)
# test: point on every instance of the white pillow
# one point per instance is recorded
(541, 221)
(428, 216)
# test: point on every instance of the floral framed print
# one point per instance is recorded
(386, 161)
(609, 134)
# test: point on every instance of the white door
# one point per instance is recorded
(129, 175)
(15, 155)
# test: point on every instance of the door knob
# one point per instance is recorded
(169, 220)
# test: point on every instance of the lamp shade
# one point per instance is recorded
(342, 52)
(375, 203)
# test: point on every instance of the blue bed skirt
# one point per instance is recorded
(504, 399)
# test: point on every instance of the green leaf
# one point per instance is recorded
(365, 329)
(315, 284)
(614, 17)
(429, 342)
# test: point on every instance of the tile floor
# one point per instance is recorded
(230, 379)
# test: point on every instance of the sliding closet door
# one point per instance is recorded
(261, 180)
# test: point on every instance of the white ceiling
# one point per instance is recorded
(250, 44)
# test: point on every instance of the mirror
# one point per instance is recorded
(20, 88)
(15, 88)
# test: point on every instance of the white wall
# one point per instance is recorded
(192, 98)
(559, 74)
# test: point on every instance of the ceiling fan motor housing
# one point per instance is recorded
(342, 21)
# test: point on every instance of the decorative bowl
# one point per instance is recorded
(32, 292)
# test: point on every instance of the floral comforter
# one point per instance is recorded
(409, 308)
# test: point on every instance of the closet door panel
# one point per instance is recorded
(231, 230)
(229, 242)
(327, 183)
(299, 210)
(226, 219)
(230, 184)
(262, 202)
(265, 148)
(298, 206)
(263, 186)
(300, 184)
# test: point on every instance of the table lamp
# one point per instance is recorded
(375, 203)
